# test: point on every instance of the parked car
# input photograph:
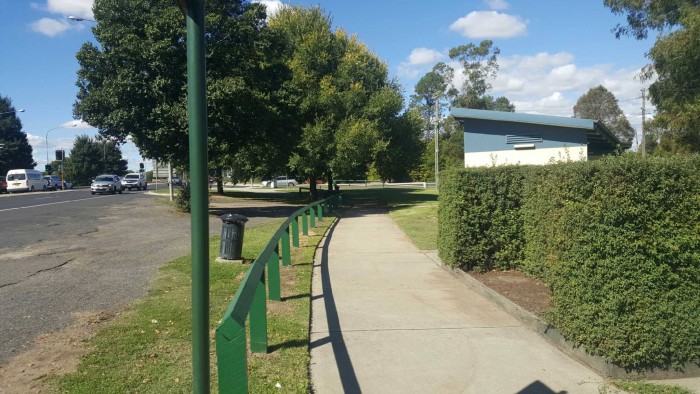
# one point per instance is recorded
(134, 180)
(3, 185)
(25, 180)
(67, 184)
(54, 182)
(106, 183)
(281, 181)
(176, 181)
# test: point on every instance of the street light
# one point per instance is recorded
(437, 142)
(79, 19)
(11, 112)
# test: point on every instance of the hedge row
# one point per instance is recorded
(617, 240)
(479, 226)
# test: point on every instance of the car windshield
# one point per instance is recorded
(134, 176)
(16, 177)
(104, 178)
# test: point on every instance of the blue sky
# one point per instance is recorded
(552, 51)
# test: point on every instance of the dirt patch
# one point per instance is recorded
(529, 293)
(55, 353)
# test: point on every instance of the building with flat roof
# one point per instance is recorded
(496, 138)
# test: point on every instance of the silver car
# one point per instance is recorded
(106, 183)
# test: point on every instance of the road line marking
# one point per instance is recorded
(52, 203)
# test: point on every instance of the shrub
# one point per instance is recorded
(183, 199)
(480, 226)
(618, 241)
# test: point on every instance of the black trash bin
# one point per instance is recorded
(232, 236)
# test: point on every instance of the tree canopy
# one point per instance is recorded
(285, 95)
(438, 88)
(134, 81)
(15, 151)
(348, 114)
(600, 104)
(674, 60)
(89, 158)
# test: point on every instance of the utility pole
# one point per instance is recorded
(644, 117)
(437, 142)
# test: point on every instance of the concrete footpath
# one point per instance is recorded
(387, 319)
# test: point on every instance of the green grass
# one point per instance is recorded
(147, 347)
(639, 387)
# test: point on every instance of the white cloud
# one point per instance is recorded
(273, 6)
(77, 123)
(550, 84)
(421, 56)
(50, 27)
(497, 5)
(53, 27)
(35, 140)
(79, 8)
(489, 24)
(419, 61)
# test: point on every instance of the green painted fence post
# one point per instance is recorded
(286, 250)
(295, 232)
(258, 319)
(231, 357)
(320, 212)
(273, 275)
(312, 217)
(304, 226)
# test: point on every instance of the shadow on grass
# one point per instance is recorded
(295, 297)
(267, 212)
(288, 345)
(388, 197)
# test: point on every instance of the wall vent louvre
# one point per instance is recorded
(522, 139)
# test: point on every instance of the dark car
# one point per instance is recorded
(177, 181)
(106, 183)
(3, 185)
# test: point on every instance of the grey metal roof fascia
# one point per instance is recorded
(546, 120)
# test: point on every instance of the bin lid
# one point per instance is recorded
(233, 218)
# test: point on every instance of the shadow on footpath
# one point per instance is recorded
(335, 336)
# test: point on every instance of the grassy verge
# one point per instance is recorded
(147, 347)
(639, 387)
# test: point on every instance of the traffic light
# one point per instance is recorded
(141, 167)
(48, 168)
(59, 154)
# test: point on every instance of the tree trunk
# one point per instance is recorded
(313, 192)
(219, 177)
(330, 182)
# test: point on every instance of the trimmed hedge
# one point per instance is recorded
(479, 223)
(617, 240)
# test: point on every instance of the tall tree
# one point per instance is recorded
(435, 87)
(346, 107)
(15, 151)
(600, 104)
(479, 66)
(674, 59)
(133, 81)
(89, 158)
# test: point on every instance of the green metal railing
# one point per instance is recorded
(251, 301)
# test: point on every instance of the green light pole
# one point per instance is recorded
(197, 114)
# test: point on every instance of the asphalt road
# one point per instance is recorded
(66, 253)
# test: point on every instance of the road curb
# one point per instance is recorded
(553, 336)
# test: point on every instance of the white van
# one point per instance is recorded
(25, 180)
